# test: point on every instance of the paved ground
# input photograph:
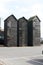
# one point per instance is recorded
(22, 61)
(21, 55)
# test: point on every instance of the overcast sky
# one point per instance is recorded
(19, 8)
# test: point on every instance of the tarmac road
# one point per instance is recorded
(36, 60)
(21, 55)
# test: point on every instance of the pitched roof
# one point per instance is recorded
(31, 18)
(9, 17)
(22, 18)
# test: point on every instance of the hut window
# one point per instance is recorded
(9, 24)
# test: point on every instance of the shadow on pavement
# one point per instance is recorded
(35, 61)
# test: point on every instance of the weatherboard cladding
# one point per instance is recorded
(34, 31)
(22, 32)
(11, 31)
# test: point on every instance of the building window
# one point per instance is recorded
(20, 33)
(33, 24)
(9, 24)
(8, 32)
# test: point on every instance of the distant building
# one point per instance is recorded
(23, 31)
(0, 23)
(1, 37)
(10, 31)
(34, 31)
